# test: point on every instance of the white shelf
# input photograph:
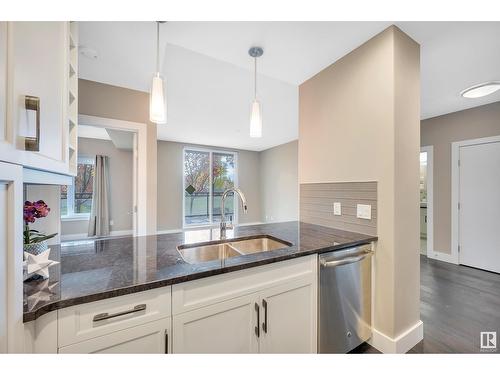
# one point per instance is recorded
(73, 97)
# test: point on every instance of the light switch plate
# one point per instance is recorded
(364, 211)
(337, 208)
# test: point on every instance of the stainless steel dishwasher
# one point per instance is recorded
(344, 299)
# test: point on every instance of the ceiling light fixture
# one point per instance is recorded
(256, 114)
(483, 89)
(157, 102)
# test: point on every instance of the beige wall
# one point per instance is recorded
(120, 185)
(440, 132)
(359, 121)
(98, 99)
(170, 181)
(279, 183)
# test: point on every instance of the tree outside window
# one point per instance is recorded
(76, 199)
(207, 174)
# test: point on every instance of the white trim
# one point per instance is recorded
(442, 256)
(84, 236)
(141, 180)
(430, 199)
(399, 345)
(249, 224)
(76, 217)
(13, 175)
(169, 231)
(455, 189)
(34, 176)
(210, 152)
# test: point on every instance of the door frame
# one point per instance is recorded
(455, 189)
(140, 167)
(430, 200)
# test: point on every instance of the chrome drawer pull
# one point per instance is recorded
(104, 316)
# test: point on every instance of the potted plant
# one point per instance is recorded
(35, 242)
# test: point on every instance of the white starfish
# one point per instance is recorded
(39, 264)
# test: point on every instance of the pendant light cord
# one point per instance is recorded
(157, 47)
(255, 76)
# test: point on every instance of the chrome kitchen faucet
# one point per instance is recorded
(223, 224)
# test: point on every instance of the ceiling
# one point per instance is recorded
(454, 55)
(122, 140)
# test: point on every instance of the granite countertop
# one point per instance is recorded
(91, 270)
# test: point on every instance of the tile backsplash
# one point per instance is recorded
(317, 205)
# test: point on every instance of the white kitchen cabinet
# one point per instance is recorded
(149, 338)
(288, 318)
(11, 258)
(226, 327)
(37, 64)
(236, 323)
(80, 322)
(266, 309)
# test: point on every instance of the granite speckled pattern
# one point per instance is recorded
(92, 270)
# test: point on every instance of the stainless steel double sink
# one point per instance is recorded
(220, 250)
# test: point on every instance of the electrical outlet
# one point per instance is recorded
(111, 223)
(364, 211)
(337, 208)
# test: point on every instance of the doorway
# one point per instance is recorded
(132, 137)
(477, 187)
(426, 201)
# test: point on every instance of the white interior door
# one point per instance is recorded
(479, 213)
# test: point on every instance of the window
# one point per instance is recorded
(207, 174)
(76, 199)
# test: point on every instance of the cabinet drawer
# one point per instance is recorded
(149, 338)
(87, 321)
(204, 292)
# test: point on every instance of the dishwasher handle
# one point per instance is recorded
(340, 262)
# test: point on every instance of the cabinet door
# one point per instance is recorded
(37, 66)
(150, 338)
(288, 318)
(225, 327)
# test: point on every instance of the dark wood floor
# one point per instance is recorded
(457, 303)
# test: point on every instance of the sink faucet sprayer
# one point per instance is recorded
(223, 224)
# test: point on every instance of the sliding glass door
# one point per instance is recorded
(207, 174)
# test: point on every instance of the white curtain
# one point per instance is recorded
(99, 215)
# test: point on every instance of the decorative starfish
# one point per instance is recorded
(39, 264)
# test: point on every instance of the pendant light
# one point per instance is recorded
(157, 102)
(256, 111)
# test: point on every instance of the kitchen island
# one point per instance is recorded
(92, 270)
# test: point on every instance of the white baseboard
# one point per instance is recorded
(248, 224)
(437, 255)
(168, 231)
(84, 236)
(400, 344)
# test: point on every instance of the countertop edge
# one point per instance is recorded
(57, 305)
